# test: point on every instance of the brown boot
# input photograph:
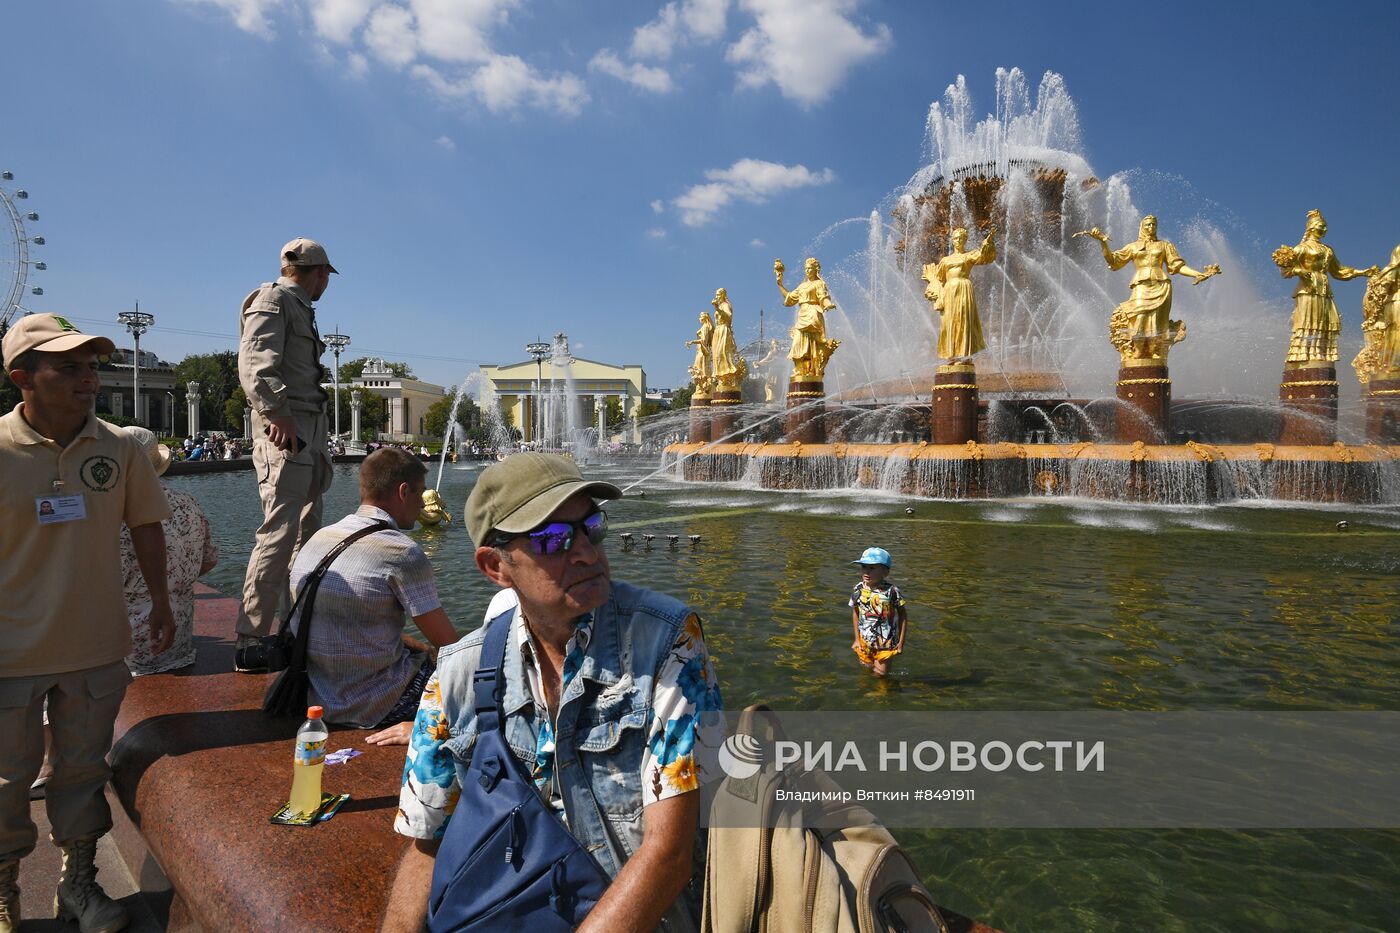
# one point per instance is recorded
(9, 896)
(80, 898)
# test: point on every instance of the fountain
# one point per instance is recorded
(1032, 418)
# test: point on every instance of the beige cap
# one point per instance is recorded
(522, 491)
(304, 252)
(157, 452)
(50, 333)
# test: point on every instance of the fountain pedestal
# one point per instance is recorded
(1309, 396)
(1383, 409)
(700, 417)
(955, 404)
(724, 420)
(1146, 391)
(805, 420)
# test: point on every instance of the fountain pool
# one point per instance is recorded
(1048, 604)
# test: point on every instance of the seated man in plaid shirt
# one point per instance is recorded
(361, 670)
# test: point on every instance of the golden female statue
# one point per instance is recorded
(950, 290)
(810, 346)
(1141, 328)
(1316, 323)
(1381, 324)
(726, 365)
(700, 371)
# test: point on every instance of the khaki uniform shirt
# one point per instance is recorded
(279, 351)
(62, 607)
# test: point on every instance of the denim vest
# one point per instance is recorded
(602, 726)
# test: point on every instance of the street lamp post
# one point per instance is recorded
(337, 342)
(540, 351)
(137, 323)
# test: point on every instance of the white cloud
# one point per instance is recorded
(391, 37)
(756, 243)
(678, 22)
(248, 15)
(447, 44)
(805, 47)
(506, 83)
(646, 77)
(337, 20)
(446, 143)
(657, 233)
(752, 180)
(658, 206)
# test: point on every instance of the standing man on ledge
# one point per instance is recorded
(279, 367)
(70, 482)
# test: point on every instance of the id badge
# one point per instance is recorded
(55, 510)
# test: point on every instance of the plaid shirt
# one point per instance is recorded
(357, 662)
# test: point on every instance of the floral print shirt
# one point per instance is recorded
(685, 689)
(188, 548)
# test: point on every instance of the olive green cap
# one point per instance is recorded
(520, 492)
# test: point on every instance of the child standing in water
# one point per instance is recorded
(877, 613)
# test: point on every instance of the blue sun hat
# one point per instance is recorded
(874, 555)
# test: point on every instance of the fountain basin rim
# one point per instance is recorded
(1159, 453)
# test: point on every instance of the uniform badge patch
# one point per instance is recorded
(100, 473)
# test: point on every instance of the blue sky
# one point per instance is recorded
(486, 171)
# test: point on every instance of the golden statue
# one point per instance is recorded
(810, 346)
(726, 365)
(1316, 323)
(433, 512)
(1141, 328)
(950, 289)
(1380, 324)
(700, 372)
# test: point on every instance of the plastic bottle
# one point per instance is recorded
(308, 762)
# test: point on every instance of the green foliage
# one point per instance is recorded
(351, 370)
(612, 413)
(217, 375)
(435, 421)
(121, 421)
(649, 408)
(233, 411)
(9, 395)
(681, 397)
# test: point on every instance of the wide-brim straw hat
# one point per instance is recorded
(155, 451)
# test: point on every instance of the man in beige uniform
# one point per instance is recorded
(279, 366)
(63, 626)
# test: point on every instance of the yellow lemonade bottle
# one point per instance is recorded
(308, 762)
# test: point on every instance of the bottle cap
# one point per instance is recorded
(314, 712)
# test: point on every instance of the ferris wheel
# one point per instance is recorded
(14, 251)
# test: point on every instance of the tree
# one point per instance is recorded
(681, 397)
(435, 420)
(217, 375)
(351, 370)
(612, 414)
(9, 395)
(233, 410)
(649, 408)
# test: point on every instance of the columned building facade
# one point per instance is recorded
(409, 399)
(545, 401)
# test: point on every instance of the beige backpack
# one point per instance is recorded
(799, 878)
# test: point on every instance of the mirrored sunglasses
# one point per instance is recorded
(558, 537)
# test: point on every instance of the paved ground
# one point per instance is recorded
(38, 876)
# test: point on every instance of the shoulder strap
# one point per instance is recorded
(488, 683)
(312, 582)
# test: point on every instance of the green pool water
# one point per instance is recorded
(1020, 605)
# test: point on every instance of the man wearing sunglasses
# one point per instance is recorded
(606, 695)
